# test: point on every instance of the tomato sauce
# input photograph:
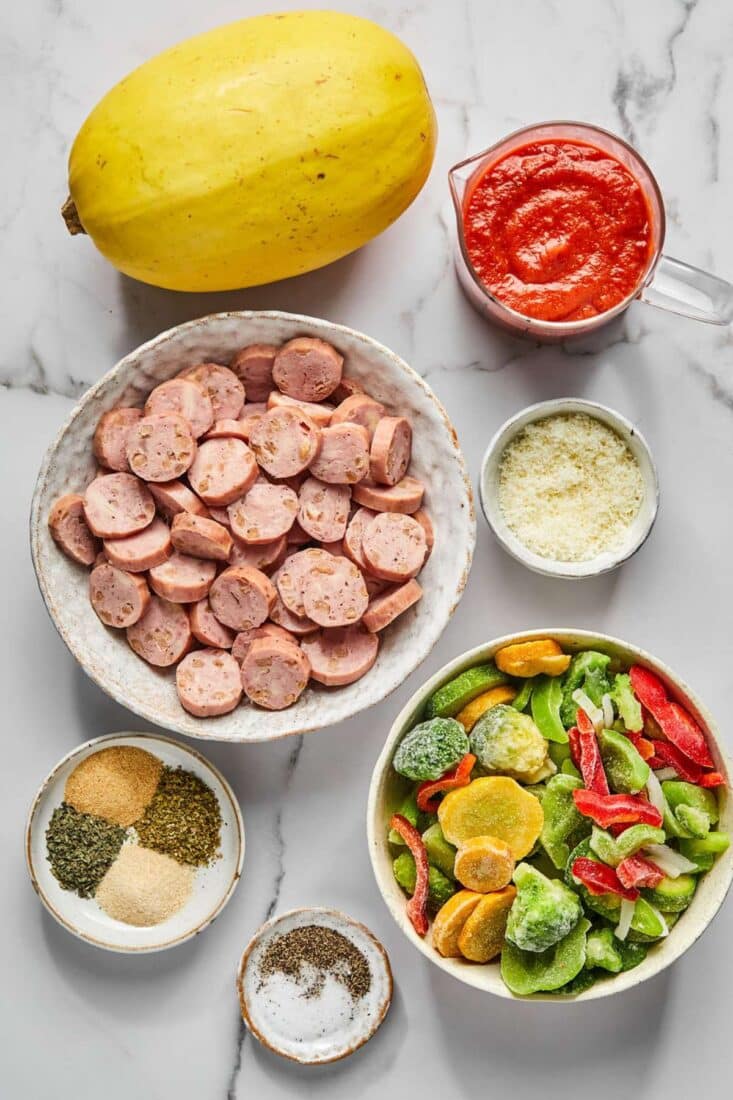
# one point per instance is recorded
(558, 230)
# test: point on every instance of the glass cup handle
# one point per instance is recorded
(681, 288)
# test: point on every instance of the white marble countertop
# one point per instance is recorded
(79, 1023)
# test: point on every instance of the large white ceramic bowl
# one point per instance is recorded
(387, 789)
(437, 460)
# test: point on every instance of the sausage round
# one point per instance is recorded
(394, 546)
(228, 429)
(323, 510)
(405, 497)
(200, 537)
(347, 387)
(143, 551)
(425, 522)
(220, 516)
(162, 635)
(117, 505)
(69, 529)
(344, 455)
(224, 389)
(118, 598)
(184, 397)
(241, 597)
(319, 414)
(336, 594)
(251, 415)
(298, 625)
(222, 471)
(208, 683)
(385, 608)
(266, 555)
(359, 409)
(391, 450)
(173, 497)
(274, 673)
(253, 365)
(293, 577)
(182, 579)
(355, 533)
(265, 513)
(297, 536)
(160, 447)
(342, 655)
(244, 639)
(110, 437)
(285, 441)
(206, 628)
(307, 369)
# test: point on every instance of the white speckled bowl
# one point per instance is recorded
(387, 790)
(69, 466)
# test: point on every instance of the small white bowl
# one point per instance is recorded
(292, 1025)
(639, 529)
(213, 886)
(387, 791)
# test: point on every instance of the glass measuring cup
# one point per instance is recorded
(665, 282)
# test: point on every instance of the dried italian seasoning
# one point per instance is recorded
(81, 848)
(183, 819)
(308, 953)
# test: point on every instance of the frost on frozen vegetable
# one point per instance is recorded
(507, 742)
(428, 751)
(544, 910)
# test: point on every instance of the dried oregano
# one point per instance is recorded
(81, 848)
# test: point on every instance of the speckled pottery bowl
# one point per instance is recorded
(387, 789)
(69, 466)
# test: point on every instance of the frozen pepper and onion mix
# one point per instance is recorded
(559, 811)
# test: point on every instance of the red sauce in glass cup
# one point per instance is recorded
(558, 230)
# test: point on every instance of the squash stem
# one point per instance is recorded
(71, 217)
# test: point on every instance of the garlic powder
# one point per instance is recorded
(569, 487)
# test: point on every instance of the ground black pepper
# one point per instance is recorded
(183, 819)
(326, 951)
(81, 848)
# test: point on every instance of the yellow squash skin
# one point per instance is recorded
(256, 151)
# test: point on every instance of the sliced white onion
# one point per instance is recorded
(662, 921)
(665, 773)
(608, 715)
(594, 713)
(656, 794)
(666, 859)
(624, 922)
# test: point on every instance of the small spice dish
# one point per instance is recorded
(314, 985)
(638, 529)
(211, 886)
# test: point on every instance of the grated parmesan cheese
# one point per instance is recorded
(569, 487)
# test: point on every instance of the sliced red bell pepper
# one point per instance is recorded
(591, 765)
(677, 725)
(616, 809)
(417, 906)
(574, 745)
(635, 871)
(460, 776)
(643, 745)
(711, 779)
(599, 878)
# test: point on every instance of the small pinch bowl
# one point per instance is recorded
(69, 465)
(387, 789)
(213, 886)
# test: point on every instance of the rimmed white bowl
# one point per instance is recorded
(213, 886)
(387, 789)
(639, 529)
(437, 460)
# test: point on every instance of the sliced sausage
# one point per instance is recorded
(323, 510)
(355, 533)
(110, 437)
(173, 497)
(359, 409)
(162, 635)
(200, 537)
(297, 536)
(182, 579)
(265, 513)
(274, 673)
(206, 628)
(208, 683)
(347, 387)
(265, 556)
(385, 608)
(293, 577)
(228, 429)
(391, 450)
(253, 365)
(244, 639)
(184, 397)
(224, 389)
(69, 530)
(220, 515)
(341, 656)
(299, 625)
(285, 442)
(319, 414)
(425, 522)
(222, 471)
(241, 597)
(160, 447)
(307, 369)
(336, 594)
(405, 497)
(394, 546)
(251, 415)
(143, 551)
(344, 455)
(118, 598)
(117, 505)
